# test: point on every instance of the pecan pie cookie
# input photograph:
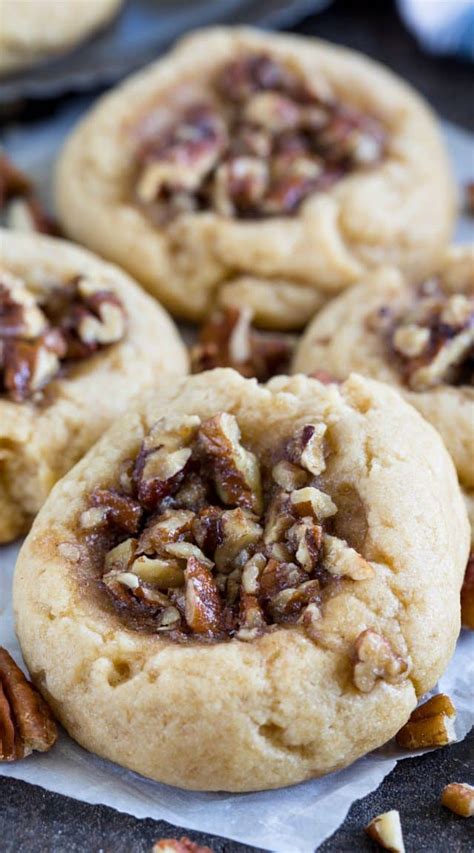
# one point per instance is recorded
(243, 582)
(257, 170)
(35, 30)
(419, 337)
(78, 339)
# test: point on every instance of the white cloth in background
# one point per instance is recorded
(442, 26)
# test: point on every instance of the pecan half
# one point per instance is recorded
(26, 723)
(375, 659)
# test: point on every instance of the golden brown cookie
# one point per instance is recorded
(78, 340)
(251, 584)
(261, 170)
(35, 30)
(417, 336)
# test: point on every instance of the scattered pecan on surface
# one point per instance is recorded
(386, 830)
(260, 146)
(26, 722)
(21, 207)
(228, 339)
(179, 845)
(430, 725)
(211, 538)
(40, 334)
(459, 798)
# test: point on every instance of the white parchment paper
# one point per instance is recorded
(292, 820)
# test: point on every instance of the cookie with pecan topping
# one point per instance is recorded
(78, 339)
(228, 572)
(417, 335)
(250, 169)
(34, 32)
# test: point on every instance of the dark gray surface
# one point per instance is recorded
(36, 821)
(33, 820)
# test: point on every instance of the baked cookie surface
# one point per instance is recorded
(35, 30)
(418, 337)
(245, 576)
(78, 340)
(257, 169)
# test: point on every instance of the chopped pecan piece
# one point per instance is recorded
(411, 340)
(467, 595)
(459, 798)
(118, 509)
(431, 724)
(342, 560)
(171, 526)
(289, 476)
(386, 830)
(252, 620)
(181, 845)
(26, 723)
(305, 537)
(375, 659)
(120, 558)
(186, 153)
(27, 367)
(313, 502)
(13, 182)
(28, 215)
(240, 184)
(228, 339)
(469, 197)
(203, 610)
(239, 530)
(243, 77)
(36, 337)
(161, 465)
(434, 340)
(235, 469)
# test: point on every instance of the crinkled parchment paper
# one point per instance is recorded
(292, 820)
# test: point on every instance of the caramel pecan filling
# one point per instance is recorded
(41, 335)
(204, 540)
(228, 339)
(433, 341)
(261, 143)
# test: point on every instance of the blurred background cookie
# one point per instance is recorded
(78, 340)
(36, 30)
(258, 169)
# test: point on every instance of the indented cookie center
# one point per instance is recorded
(43, 332)
(261, 142)
(433, 341)
(205, 539)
